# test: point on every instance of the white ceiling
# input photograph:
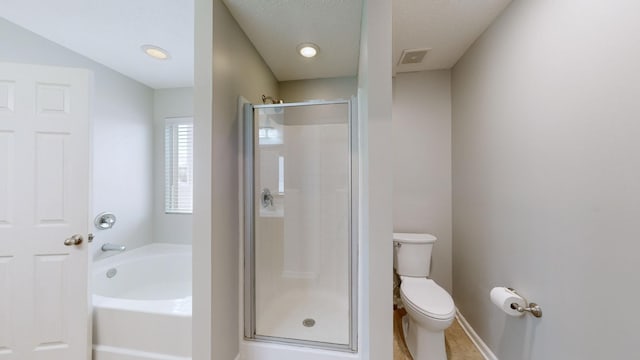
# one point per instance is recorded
(277, 27)
(447, 27)
(112, 31)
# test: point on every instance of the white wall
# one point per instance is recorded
(121, 117)
(547, 178)
(376, 228)
(422, 162)
(227, 66)
(168, 103)
(318, 89)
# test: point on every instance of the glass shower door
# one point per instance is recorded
(299, 248)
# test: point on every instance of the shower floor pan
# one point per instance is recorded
(300, 315)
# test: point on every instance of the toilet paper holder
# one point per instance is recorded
(532, 308)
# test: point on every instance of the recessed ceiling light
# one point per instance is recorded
(308, 50)
(155, 52)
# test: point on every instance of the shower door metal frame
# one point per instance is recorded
(248, 137)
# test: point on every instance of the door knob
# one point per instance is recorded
(74, 240)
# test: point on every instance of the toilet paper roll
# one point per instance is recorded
(503, 298)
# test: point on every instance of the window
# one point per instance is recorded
(281, 175)
(178, 166)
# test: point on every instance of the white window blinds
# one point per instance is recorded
(178, 165)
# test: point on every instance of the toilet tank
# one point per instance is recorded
(412, 254)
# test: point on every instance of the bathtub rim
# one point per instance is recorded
(176, 307)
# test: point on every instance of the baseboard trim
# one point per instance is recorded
(475, 339)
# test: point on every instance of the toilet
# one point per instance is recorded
(430, 309)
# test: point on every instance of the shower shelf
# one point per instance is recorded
(272, 212)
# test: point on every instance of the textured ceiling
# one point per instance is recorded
(277, 27)
(447, 27)
(111, 32)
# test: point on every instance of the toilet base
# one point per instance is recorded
(423, 343)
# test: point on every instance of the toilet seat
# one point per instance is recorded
(427, 297)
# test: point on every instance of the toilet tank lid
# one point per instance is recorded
(414, 238)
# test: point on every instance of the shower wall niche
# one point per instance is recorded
(300, 232)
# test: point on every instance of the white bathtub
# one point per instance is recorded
(142, 304)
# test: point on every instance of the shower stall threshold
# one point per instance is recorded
(252, 350)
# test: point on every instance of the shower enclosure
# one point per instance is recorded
(300, 211)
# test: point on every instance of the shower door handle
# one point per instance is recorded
(74, 240)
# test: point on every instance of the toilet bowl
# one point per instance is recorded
(430, 309)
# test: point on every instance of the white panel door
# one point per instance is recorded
(44, 200)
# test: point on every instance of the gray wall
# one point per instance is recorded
(422, 162)
(121, 120)
(546, 178)
(227, 66)
(376, 182)
(318, 89)
(202, 329)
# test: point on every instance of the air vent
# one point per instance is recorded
(412, 56)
